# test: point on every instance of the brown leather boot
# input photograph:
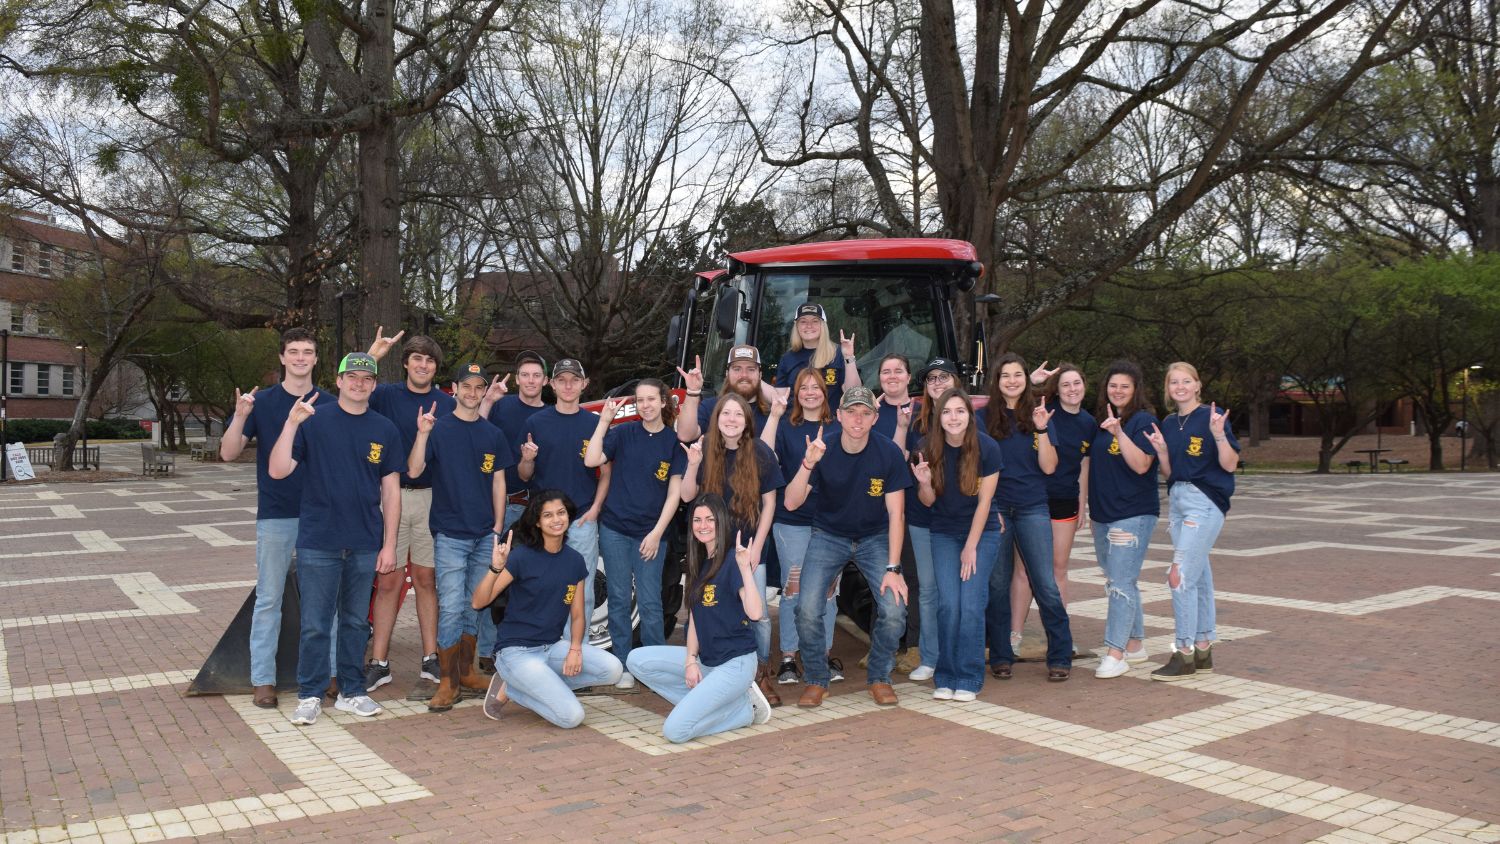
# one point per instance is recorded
(468, 678)
(767, 683)
(448, 691)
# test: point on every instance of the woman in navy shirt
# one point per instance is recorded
(810, 347)
(749, 486)
(939, 376)
(1199, 454)
(711, 682)
(534, 666)
(896, 402)
(1019, 424)
(957, 472)
(788, 434)
(646, 479)
(1124, 507)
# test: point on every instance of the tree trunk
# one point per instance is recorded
(379, 188)
(304, 269)
(1434, 448)
(95, 380)
(1325, 451)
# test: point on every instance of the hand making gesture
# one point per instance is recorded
(426, 419)
(382, 344)
(1110, 422)
(846, 344)
(742, 555)
(243, 402)
(303, 409)
(528, 449)
(611, 408)
(903, 416)
(815, 450)
(500, 554)
(778, 401)
(694, 452)
(1040, 416)
(692, 379)
(1217, 422)
(1042, 373)
(498, 388)
(922, 471)
(1158, 442)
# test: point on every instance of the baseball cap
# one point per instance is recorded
(812, 309)
(465, 371)
(567, 365)
(528, 356)
(857, 395)
(358, 362)
(938, 365)
(745, 351)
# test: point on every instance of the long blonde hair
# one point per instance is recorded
(824, 353)
(1166, 380)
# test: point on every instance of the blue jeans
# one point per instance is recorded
(337, 581)
(1194, 522)
(275, 540)
(927, 599)
(791, 547)
(1030, 530)
(583, 537)
(826, 555)
(622, 565)
(486, 624)
(719, 702)
(460, 565)
(1120, 548)
(534, 679)
(961, 610)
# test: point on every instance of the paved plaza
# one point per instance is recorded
(1354, 700)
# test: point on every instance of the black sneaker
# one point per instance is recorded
(377, 674)
(1179, 667)
(1203, 660)
(835, 670)
(788, 674)
(432, 669)
(487, 664)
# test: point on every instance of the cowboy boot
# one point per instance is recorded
(468, 678)
(448, 691)
(766, 681)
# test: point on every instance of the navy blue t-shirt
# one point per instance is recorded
(791, 447)
(276, 499)
(396, 402)
(719, 621)
(953, 512)
(1023, 483)
(770, 480)
(541, 596)
(462, 458)
(833, 374)
(642, 465)
(1195, 456)
(854, 486)
(706, 411)
(561, 439)
(509, 415)
(343, 457)
(1117, 491)
(1071, 435)
(885, 425)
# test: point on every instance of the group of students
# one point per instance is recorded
(503, 497)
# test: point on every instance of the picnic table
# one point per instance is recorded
(1374, 456)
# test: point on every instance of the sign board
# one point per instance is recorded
(20, 464)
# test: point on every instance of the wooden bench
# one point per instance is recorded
(1394, 463)
(1354, 466)
(155, 462)
(50, 456)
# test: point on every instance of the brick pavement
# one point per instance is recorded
(1351, 703)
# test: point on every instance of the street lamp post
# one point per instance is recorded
(80, 385)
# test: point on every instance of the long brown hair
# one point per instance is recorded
(1131, 370)
(701, 567)
(926, 414)
(999, 420)
(1051, 388)
(668, 410)
(745, 503)
(968, 454)
(805, 374)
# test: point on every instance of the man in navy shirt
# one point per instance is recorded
(401, 403)
(260, 416)
(351, 502)
(861, 515)
(552, 458)
(467, 458)
(742, 376)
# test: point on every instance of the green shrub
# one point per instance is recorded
(43, 430)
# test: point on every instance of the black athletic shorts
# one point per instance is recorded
(1062, 509)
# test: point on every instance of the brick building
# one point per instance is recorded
(43, 379)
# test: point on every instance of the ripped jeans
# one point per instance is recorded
(1120, 548)
(1195, 522)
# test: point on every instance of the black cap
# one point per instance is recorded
(938, 365)
(812, 309)
(568, 365)
(528, 356)
(465, 371)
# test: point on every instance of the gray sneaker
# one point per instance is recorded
(377, 674)
(307, 711)
(360, 705)
(492, 702)
(431, 669)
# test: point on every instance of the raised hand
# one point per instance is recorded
(1158, 442)
(243, 403)
(742, 553)
(815, 449)
(426, 419)
(303, 408)
(692, 379)
(1040, 416)
(694, 452)
(1042, 373)
(611, 408)
(921, 471)
(528, 449)
(1217, 422)
(846, 344)
(498, 388)
(382, 344)
(778, 401)
(1110, 422)
(903, 416)
(501, 552)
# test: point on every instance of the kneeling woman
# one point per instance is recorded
(711, 682)
(534, 665)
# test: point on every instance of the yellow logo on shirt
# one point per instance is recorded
(1114, 446)
(709, 598)
(830, 377)
(877, 487)
(572, 590)
(488, 466)
(584, 450)
(661, 470)
(1195, 447)
(1085, 448)
(374, 455)
(1035, 438)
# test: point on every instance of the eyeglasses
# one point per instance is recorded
(939, 378)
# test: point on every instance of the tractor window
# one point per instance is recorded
(886, 314)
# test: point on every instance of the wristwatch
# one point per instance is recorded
(893, 569)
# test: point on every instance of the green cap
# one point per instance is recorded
(358, 362)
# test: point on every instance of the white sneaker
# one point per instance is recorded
(1015, 641)
(1111, 667)
(492, 702)
(307, 710)
(1137, 657)
(360, 705)
(626, 682)
(922, 672)
(942, 694)
(760, 708)
(964, 696)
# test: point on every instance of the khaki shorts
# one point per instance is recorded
(412, 535)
